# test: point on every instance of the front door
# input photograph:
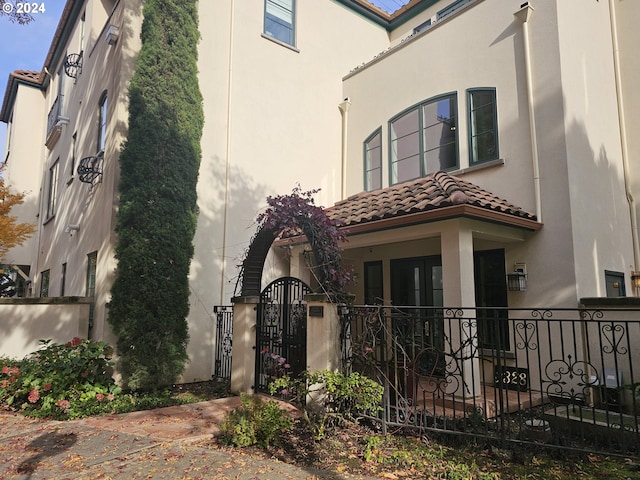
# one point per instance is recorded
(281, 331)
(417, 282)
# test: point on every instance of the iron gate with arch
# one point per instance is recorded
(281, 331)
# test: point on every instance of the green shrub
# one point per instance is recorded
(158, 210)
(255, 422)
(342, 398)
(60, 380)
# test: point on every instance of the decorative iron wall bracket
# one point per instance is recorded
(73, 65)
(90, 169)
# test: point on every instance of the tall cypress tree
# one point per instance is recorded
(158, 211)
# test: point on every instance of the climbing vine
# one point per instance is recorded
(296, 213)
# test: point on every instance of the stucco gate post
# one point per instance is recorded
(243, 364)
(323, 336)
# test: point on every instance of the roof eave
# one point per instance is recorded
(10, 94)
(64, 30)
(65, 27)
(429, 216)
(384, 19)
(445, 213)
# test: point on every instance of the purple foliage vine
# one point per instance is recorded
(294, 214)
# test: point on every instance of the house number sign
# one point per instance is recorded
(512, 378)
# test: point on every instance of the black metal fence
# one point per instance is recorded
(561, 377)
(224, 335)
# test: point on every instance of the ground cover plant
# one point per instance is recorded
(363, 450)
(74, 380)
(333, 435)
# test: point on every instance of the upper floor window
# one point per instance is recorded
(102, 121)
(74, 152)
(483, 125)
(82, 31)
(451, 8)
(52, 193)
(373, 161)
(424, 139)
(422, 26)
(279, 20)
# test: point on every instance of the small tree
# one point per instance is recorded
(158, 212)
(12, 233)
(16, 13)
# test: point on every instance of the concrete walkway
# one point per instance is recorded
(155, 444)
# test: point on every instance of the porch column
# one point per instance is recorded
(323, 338)
(243, 363)
(459, 292)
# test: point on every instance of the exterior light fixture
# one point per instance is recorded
(112, 34)
(517, 280)
(635, 283)
(72, 228)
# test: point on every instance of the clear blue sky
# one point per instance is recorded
(24, 47)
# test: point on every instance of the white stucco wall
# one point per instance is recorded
(577, 134)
(601, 228)
(24, 324)
(25, 138)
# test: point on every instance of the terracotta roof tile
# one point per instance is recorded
(435, 191)
(28, 75)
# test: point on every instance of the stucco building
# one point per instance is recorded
(458, 140)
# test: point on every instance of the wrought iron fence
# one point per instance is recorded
(224, 335)
(566, 378)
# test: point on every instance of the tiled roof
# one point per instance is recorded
(390, 6)
(432, 193)
(28, 75)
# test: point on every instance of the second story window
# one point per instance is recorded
(279, 20)
(82, 31)
(424, 139)
(52, 193)
(373, 161)
(74, 152)
(102, 122)
(483, 125)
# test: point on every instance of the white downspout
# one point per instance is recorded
(623, 138)
(225, 215)
(523, 16)
(344, 110)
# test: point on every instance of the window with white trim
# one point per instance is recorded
(279, 20)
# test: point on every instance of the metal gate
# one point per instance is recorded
(224, 337)
(281, 331)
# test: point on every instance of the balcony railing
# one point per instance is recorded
(54, 114)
